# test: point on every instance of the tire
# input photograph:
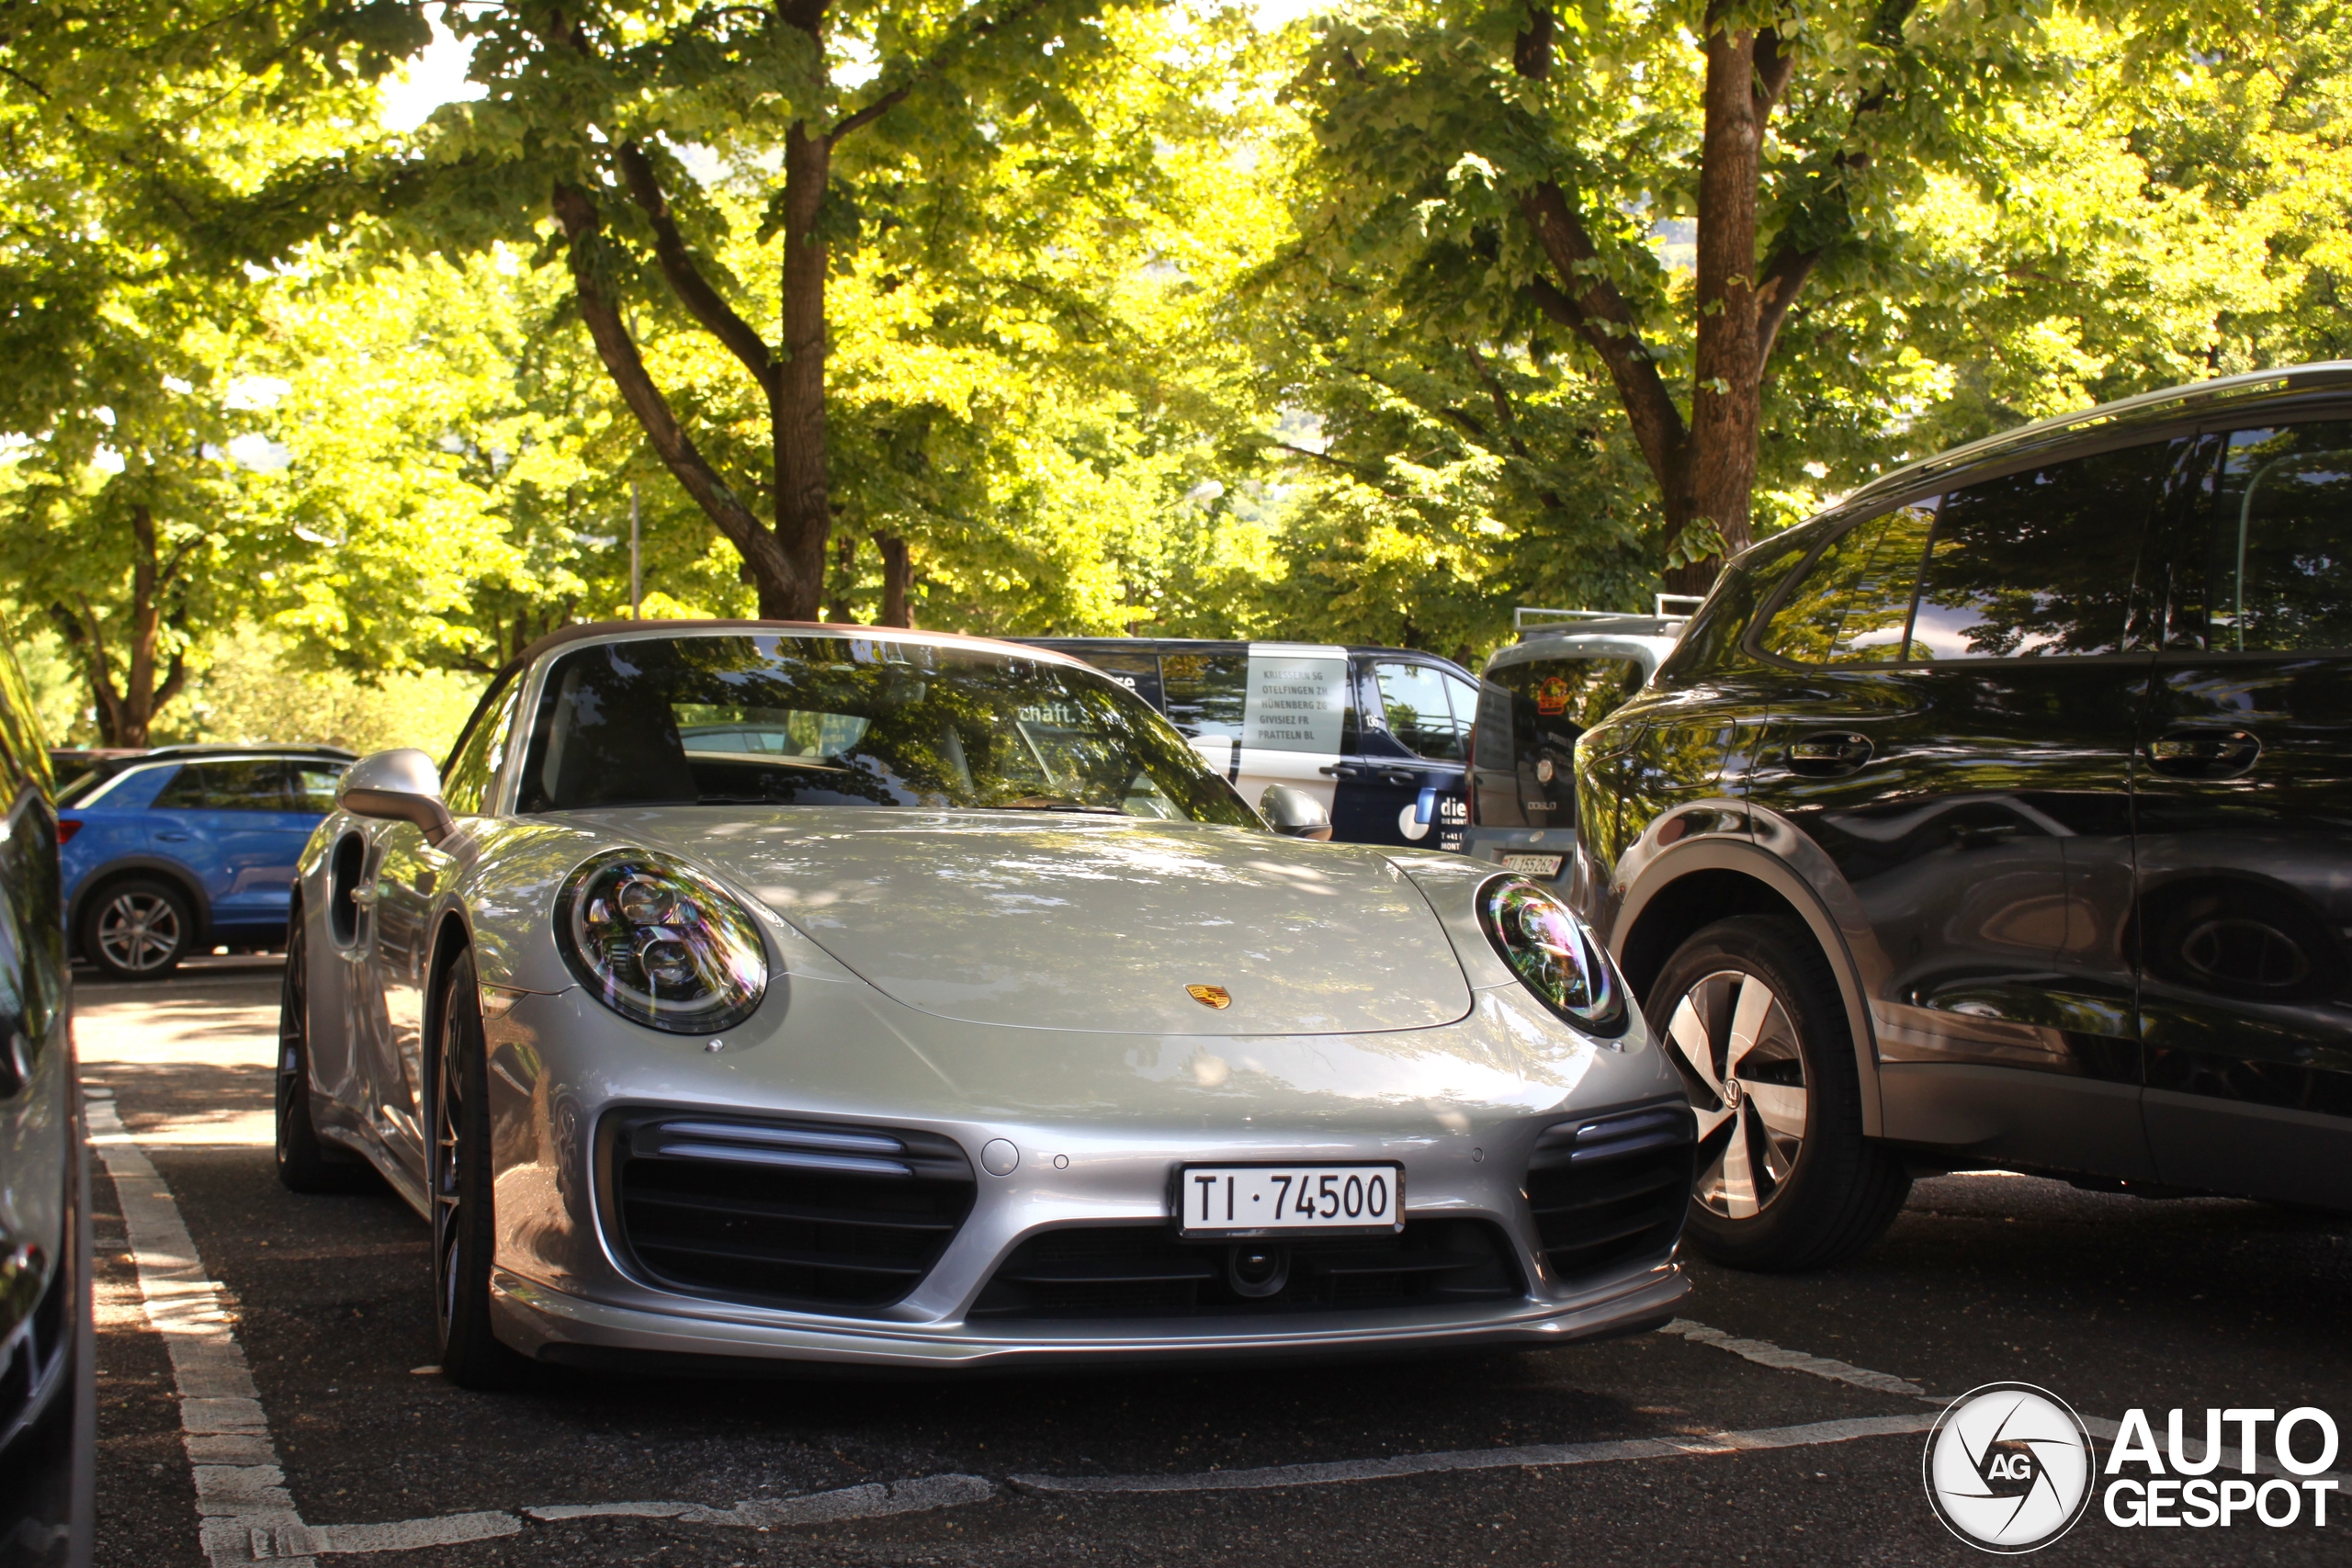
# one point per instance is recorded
(1749, 1012)
(306, 1163)
(459, 1176)
(138, 929)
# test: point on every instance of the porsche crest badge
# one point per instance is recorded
(1210, 996)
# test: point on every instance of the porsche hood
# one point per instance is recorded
(1119, 925)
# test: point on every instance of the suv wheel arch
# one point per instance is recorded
(141, 866)
(1695, 887)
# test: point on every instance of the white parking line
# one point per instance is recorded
(867, 1502)
(1533, 1456)
(241, 1492)
(1764, 1353)
(247, 1514)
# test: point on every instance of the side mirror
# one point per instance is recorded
(401, 785)
(1294, 813)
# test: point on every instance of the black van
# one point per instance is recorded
(2002, 816)
(1379, 735)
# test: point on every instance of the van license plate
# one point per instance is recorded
(1267, 1200)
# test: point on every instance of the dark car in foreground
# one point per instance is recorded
(2002, 817)
(1380, 736)
(48, 1417)
(186, 848)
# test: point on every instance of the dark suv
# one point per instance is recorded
(2002, 817)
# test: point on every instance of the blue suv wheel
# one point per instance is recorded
(137, 929)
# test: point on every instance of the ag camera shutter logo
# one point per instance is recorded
(2009, 1467)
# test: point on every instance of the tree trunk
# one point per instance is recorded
(127, 716)
(898, 577)
(1705, 470)
(804, 518)
(1727, 396)
(844, 580)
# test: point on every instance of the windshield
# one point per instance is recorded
(761, 720)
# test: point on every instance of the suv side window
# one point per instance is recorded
(2039, 564)
(253, 785)
(316, 785)
(1851, 604)
(1420, 708)
(2278, 561)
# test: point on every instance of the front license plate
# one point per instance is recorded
(1260, 1200)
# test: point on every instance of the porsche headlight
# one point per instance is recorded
(1552, 954)
(659, 943)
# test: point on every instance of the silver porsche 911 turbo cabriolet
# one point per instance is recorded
(755, 992)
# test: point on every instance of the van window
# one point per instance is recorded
(1530, 716)
(1851, 604)
(1206, 692)
(2039, 564)
(1427, 710)
(2279, 566)
(1138, 672)
(1297, 702)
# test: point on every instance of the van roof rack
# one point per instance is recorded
(1670, 607)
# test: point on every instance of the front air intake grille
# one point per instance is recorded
(1144, 1272)
(1611, 1190)
(812, 1215)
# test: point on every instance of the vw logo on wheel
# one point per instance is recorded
(2008, 1467)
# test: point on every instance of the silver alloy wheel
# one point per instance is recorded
(1738, 1049)
(445, 1177)
(139, 931)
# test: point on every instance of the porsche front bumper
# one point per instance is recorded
(1466, 1112)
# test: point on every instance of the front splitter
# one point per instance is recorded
(553, 1326)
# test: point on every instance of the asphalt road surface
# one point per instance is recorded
(1781, 1421)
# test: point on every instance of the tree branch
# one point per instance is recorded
(686, 280)
(924, 70)
(1773, 65)
(174, 677)
(575, 209)
(1531, 51)
(1363, 471)
(1504, 413)
(871, 112)
(1596, 313)
(1785, 273)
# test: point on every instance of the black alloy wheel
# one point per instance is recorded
(1749, 1012)
(138, 929)
(464, 1225)
(306, 1163)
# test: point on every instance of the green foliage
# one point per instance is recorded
(1137, 321)
(2017, 208)
(254, 690)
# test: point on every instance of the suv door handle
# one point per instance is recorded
(171, 837)
(2203, 753)
(1826, 756)
(1342, 771)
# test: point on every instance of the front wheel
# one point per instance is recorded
(1750, 1014)
(463, 1222)
(138, 929)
